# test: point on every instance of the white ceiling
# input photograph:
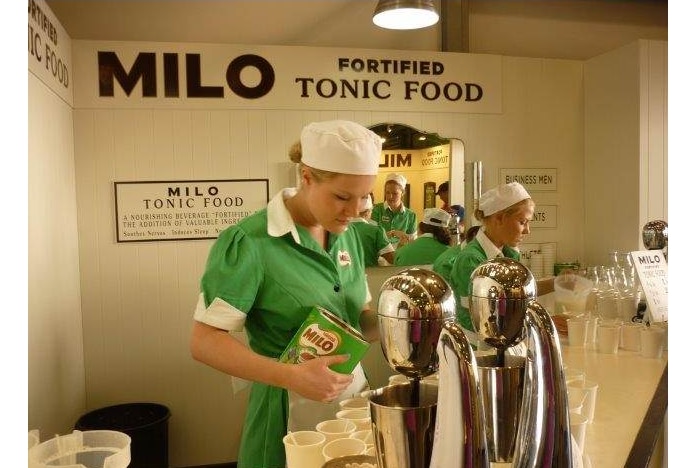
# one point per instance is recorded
(576, 29)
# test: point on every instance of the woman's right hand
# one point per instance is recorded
(315, 380)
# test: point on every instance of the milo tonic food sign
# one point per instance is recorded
(324, 334)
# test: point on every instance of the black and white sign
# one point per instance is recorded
(184, 209)
(652, 272)
(532, 179)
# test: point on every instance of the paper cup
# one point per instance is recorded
(652, 342)
(578, 429)
(631, 336)
(366, 436)
(589, 389)
(354, 403)
(343, 447)
(577, 331)
(304, 449)
(336, 428)
(576, 398)
(360, 417)
(608, 336)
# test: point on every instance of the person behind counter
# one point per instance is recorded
(378, 250)
(460, 211)
(399, 221)
(433, 239)
(505, 213)
(266, 272)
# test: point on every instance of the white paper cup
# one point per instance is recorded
(336, 429)
(343, 447)
(360, 417)
(366, 436)
(652, 342)
(354, 403)
(577, 331)
(304, 449)
(589, 388)
(631, 336)
(608, 336)
(578, 429)
(576, 399)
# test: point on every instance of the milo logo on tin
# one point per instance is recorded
(325, 342)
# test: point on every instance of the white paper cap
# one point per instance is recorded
(368, 204)
(397, 178)
(501, 197)
(436, 217)
(340, 146)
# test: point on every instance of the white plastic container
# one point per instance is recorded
(89, 449)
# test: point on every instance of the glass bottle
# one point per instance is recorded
(608, 295)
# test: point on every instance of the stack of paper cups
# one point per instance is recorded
(537, 265)
(548, 251)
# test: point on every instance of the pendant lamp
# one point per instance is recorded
(405, 14)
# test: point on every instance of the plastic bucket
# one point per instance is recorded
(145, 423)
(89, 449)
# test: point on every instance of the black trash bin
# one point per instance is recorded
(145, 423)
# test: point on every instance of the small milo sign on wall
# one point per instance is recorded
(184, 209)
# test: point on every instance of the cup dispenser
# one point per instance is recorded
(495, 407)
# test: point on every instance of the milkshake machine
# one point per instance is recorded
(491, 407)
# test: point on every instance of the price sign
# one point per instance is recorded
(652, 272)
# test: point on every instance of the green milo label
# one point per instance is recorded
(324, 334)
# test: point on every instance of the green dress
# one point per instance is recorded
(422, 251)
(267, 273)
(374, 241)
(464, 263)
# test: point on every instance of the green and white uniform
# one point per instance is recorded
(374, 240)
(476, 252)
(264, 274)
(422, 251)
(402, 220)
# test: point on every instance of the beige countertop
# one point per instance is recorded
(627, 384)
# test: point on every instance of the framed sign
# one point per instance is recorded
(184, 209)
(545, 216)
(651, 268)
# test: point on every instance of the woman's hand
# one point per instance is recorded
(315, 380)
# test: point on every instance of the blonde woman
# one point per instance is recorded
(505, 213)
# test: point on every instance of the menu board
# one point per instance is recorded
(651, 268)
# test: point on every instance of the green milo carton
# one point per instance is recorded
(324, 334)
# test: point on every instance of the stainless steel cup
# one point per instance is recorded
(503, 389)
(403, 429)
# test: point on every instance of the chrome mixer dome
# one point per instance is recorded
(502, 289)
(412, 307)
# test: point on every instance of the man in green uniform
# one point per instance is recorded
(399, 221)
(265, 273)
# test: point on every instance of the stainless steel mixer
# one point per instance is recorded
(499, 408)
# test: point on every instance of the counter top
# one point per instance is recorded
(631, 404)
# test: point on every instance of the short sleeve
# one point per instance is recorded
(232, 277)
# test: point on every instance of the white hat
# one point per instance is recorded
(340, 146)
(501, 197)
(368, 204)
(397, 178)
(436, 217)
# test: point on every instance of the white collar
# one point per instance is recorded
(402, 207)
(491, 251)
(279, 220)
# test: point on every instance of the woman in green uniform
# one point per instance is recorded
(264, 274)
(433, 240)
(378, 250)
(399, 221)
(505, 213)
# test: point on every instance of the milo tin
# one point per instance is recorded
(324, 334)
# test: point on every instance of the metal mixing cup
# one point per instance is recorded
(503, 389)
(403, 430)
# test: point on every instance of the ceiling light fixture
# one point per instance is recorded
(405, 14)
